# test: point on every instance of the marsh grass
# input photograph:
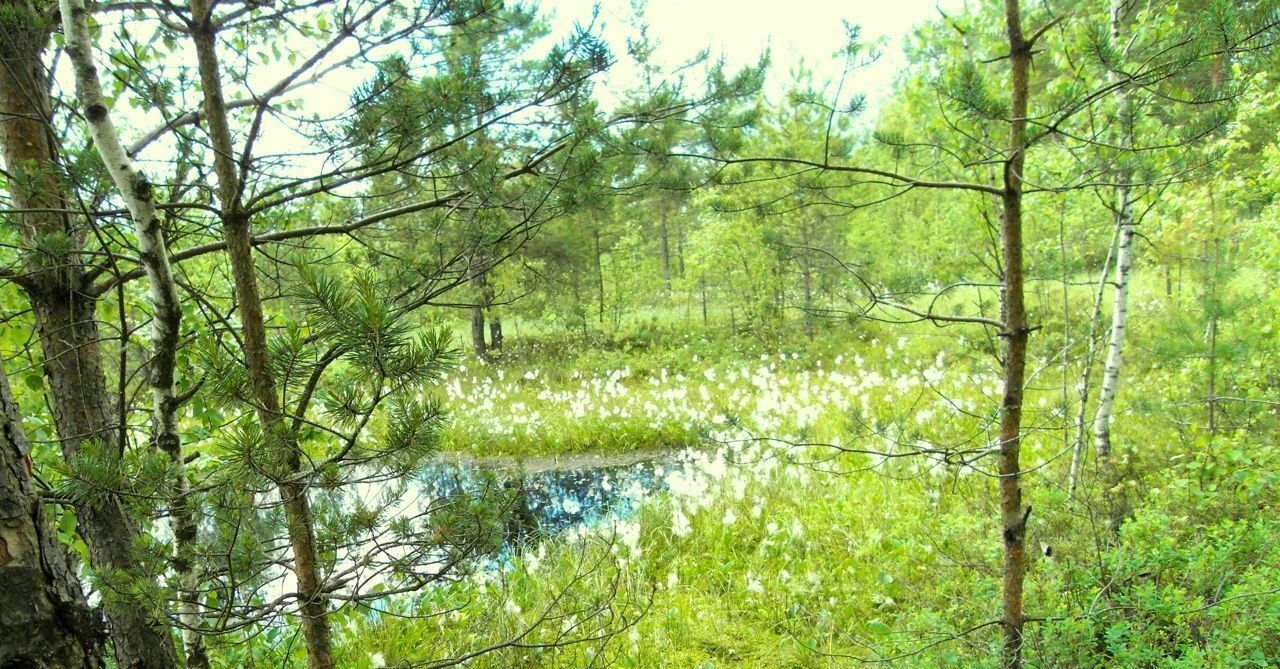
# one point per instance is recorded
(771, 555)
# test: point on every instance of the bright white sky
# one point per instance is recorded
(795, 31)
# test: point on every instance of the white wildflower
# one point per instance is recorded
(680, 523)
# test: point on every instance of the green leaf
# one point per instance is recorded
(67, 526)
(876, 626)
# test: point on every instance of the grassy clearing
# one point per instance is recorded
(629, 394)
(768, 564)
(773, 556)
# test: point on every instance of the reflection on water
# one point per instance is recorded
(557, 499)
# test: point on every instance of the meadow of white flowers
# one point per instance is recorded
(785, 395)
(749, 423)
(735, 513)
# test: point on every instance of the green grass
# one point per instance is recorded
(796, 569)
(778, 564)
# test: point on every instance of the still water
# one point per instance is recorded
(561, 496)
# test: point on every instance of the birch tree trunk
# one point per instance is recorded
(66, 321)
(1120, 307)
(45, 620)
(1086, 374)
(1012, 515)
(236, 232)
(166, 321)
(1115, 342)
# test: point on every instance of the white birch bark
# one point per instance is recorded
(1123, 277)
(166, 320)
(1119, 323)
(1077, 450)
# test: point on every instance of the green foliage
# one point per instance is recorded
(97, 473)
(683, 260)
(413, 427)
(360, 320)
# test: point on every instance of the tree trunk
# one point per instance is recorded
(665, 244)
(579, 308)
(236, 232)
(702, 283)
(1012, 514)
(1078, 447)
(807, 282)
(477, 333)
(293, 492)
(599, 275)
(477, 316)
(495, 324)
(45, 620)
(1211, 330)
(679, 247)
(66, 321)
(1120, 306)
(1115, 348)
(495, 332)
(136, 190)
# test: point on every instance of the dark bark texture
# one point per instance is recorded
(45, 620)
(1013, 517)
(236, 231)
(83, 410)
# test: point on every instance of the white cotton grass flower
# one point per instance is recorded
(629, 535)
(754, 586)
(777, 395)
(377, 660)
(680, 525)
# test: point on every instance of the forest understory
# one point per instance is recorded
(369, 334)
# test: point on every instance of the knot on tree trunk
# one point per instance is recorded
(1018, 530)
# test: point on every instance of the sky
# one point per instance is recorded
(795, 32)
